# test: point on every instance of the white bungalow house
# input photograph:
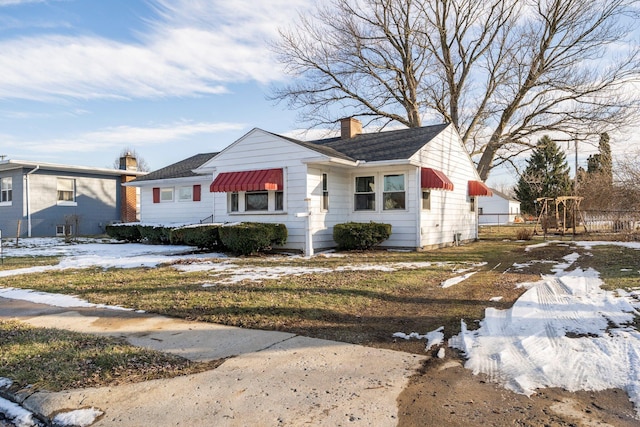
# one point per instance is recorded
(498, 209)
(422, 181)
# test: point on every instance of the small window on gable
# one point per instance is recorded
(325, 193)
(6, 190)
(426, 200)
(66, 189)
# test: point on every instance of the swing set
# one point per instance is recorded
(559, 214)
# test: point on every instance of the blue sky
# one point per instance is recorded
(84, 79)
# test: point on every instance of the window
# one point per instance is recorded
(426, 200)
(393, 195)
(480, 211)
(472, 204)
(279, 196)
(6, 192)
(64, 230)
(166, 194)
(185, 194)
(233, 202)
(365, 196)
(256, 201)
(66, 190)
(325, 193)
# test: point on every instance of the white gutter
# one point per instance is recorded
(29, 199)
(335, 160)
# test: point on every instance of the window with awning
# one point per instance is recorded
(254, 180)
(433, 179)
(478, 188)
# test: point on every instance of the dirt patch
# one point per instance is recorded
(445, 393)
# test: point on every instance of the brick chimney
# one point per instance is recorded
(128, 162)
(129, 195)
(350, 127)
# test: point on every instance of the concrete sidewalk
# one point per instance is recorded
(270, 379)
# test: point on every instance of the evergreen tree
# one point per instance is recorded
(546, 175)
(601, 163)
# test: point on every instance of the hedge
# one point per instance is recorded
(204, 237)
(155, 234)
(251, 237)
(357, 235)
(126, 232)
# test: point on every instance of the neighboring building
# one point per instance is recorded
(421, 181)
(498, 209)
(176, 194)
(43, 199)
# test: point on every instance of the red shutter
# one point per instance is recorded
(156, 194)
(197, 191)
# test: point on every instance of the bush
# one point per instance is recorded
(126, 232)
(356, 235)
(204, 237)
(251, 237)
(524, 234)
(155, 234)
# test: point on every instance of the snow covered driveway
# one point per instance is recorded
(564, 331)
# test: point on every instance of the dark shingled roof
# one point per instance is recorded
(181, 169)
(380, 146)
(373, 147)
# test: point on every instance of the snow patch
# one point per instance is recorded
(19, 416)
(77, 418)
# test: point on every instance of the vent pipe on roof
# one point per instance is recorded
(350, 127)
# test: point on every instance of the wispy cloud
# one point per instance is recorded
(189, 48)
(16, 2)
(115, 137)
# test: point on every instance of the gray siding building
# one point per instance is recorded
(43, 199)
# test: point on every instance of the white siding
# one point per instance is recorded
(175, 212)
(498, 210)
(450, 212)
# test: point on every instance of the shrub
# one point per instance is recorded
(356, 235)
(250, 237)
(155, 234)
(524, 234)
(126, 232)
(204, 237)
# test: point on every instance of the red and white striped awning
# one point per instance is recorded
(478, 188)
(434, 179)
(255, 180)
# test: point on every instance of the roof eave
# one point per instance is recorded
(166, 181)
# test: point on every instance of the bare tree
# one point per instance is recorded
(502, 71)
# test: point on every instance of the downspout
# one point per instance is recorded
(418, 210)
(29, 199)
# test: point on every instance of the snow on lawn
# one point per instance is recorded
(564, 331)
(233, 273)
